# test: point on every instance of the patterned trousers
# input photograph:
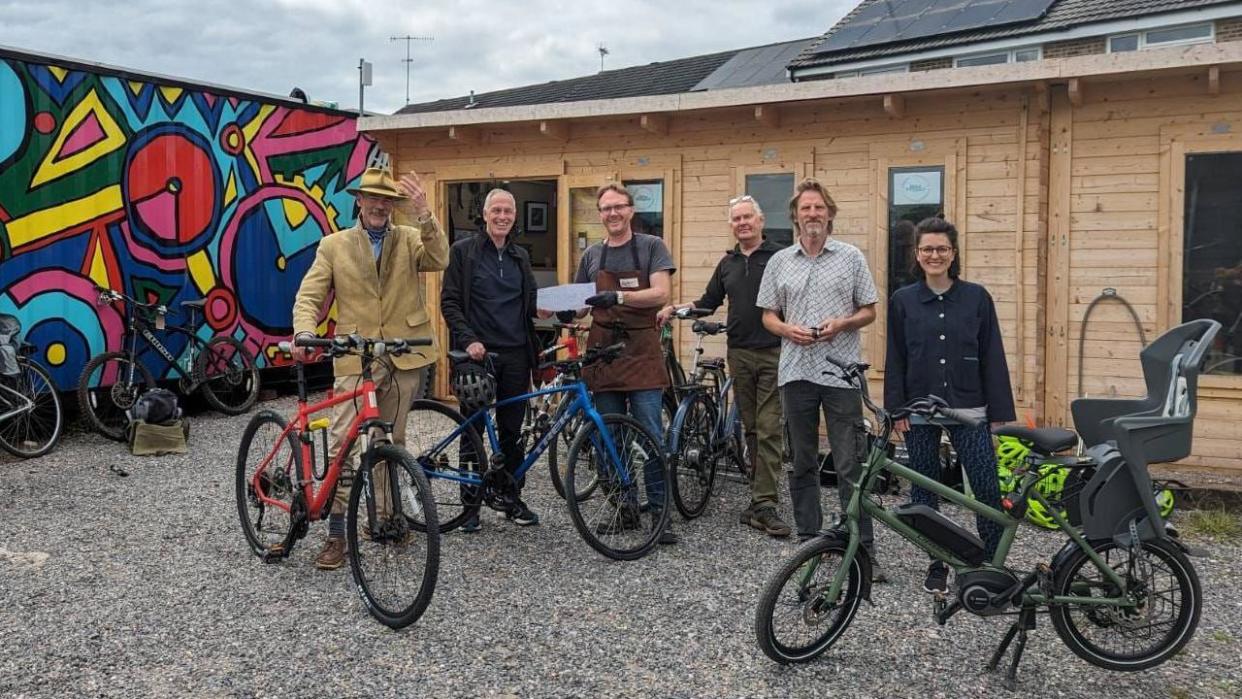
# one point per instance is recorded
(975, 451)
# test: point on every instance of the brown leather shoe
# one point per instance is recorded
(333, 554)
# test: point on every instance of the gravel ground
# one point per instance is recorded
(143, 586)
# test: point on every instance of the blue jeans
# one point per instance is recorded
(974, 448)
(646, 407)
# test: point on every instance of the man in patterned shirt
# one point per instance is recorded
(816, 296)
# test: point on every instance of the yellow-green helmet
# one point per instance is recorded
(1010, 453)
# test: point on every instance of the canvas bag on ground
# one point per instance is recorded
(156, 425)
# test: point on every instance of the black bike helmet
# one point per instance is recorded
(475, 387)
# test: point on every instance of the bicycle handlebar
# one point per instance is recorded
(592, 355)
(356, 344)
(931, 406)
(688, 313)
(107, 296)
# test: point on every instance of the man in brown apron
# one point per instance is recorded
(633, 280)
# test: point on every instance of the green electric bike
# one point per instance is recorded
(1121, 592)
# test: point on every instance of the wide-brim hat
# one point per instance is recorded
(378, 183)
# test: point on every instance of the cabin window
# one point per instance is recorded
(1212, 253)
(772, 191)
(914, 193)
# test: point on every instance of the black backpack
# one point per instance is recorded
(157, 406)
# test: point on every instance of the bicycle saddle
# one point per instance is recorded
(1047, 440)
(707, 327)
(194, 304)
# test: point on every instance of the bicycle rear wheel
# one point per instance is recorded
(693, 462)
(394, 564)
(110, 385)
(36, 429)
(1165, 590)
(793, 623)
(226, 373)
(428, 424)
(627, 521)
(267, 469)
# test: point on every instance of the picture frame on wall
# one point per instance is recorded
(536, 217)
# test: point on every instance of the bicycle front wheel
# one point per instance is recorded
(226, 373)
(694, 459)
(394, 564)
(445, 462)
(36, 428)
(793, 623)
(1167, 602)
(110, 385)
(627, 521)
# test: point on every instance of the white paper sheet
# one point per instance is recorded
(566, 297)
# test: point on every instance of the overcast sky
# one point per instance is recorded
(274, 45)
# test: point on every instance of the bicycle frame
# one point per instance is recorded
(580, 404)
(878, 461)
(359, 429)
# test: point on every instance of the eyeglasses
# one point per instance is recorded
(739, 200)
(938, 250)
(614, 207)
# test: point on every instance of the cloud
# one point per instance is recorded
(273, 45)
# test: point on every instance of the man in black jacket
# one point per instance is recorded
(754, 354)
(488, 301)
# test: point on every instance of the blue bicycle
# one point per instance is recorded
(622, 517)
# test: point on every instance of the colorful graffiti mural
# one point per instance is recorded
(166, 192)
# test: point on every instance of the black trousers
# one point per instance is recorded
(512, 368)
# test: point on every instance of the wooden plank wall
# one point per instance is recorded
(1121, 188)
(999, 146)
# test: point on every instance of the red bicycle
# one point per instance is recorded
(281, 490)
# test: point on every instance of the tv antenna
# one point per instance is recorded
(603, 51)
(407, 60)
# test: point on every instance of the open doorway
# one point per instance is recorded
(536, 218)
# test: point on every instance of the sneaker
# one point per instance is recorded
(627, 519)
(471, 525)
(521, 515)
(878, 575)
(767, 521)
(333, 554)
(668, 537)
(937, 582)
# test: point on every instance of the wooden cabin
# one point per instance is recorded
(1077, 180)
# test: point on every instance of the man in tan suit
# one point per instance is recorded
(373, 270)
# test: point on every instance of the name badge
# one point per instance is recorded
(629, 283)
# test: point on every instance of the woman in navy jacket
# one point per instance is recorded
(944, 340)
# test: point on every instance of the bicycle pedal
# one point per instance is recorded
(274, 554)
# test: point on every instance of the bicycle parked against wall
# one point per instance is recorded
(629, 507)
(1121, 592)
(706, 429)
(286, 479)
(31, 419)
(111, 382)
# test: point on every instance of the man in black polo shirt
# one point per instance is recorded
(488, 302)
(754, 354)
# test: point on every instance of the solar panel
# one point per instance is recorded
(887, 21)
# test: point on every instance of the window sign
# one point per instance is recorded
(916, 187)
(648, 198)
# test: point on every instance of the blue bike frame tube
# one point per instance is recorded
(581, 404)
